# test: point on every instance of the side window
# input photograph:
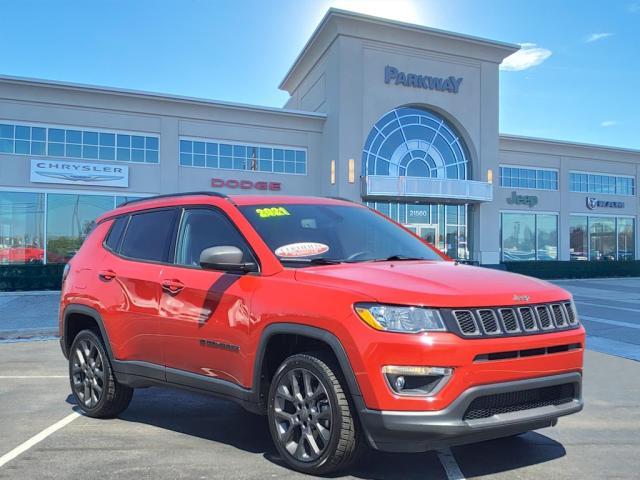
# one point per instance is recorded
(115, 234)
(204, 228)
(149, 235)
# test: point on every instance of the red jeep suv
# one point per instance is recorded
(340, 325)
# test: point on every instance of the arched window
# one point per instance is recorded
(414, 142)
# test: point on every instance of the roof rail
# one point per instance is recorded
(342, 198)
(179, 194)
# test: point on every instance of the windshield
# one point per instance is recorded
(301, 235)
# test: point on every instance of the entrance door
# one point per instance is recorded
(429, 233)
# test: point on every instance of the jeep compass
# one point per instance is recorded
(340, 326)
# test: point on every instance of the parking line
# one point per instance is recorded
(38, 438)
(2, 377)
(449, 464)
(616, 323)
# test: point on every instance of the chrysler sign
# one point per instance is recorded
(79, 173)
(449, 84)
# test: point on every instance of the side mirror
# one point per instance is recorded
(226, 258)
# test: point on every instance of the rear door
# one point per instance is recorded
(131, 281)
(205, 313)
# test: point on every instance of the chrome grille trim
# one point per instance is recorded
(466, 322)
(489, 321)
(509, 320)
(528, 319)
(516, 320)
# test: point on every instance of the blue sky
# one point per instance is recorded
(577, 80)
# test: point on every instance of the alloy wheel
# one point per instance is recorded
(87, 373)
(302, 415)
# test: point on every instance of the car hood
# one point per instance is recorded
(438, 284)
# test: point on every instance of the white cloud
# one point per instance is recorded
(608, 123)
(594, 37)
(528, 56)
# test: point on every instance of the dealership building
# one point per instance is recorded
(400, 117)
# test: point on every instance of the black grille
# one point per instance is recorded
(558, 316)
(571, 314)
(489, 405)
(509, 320)
(466, 322)
(528, 320)
(489, 322)
(543, 316)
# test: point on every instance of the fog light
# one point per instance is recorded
(416, 381)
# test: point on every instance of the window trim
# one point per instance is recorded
(529, 167)
(244, 144)
(98, 130)
(215, 209)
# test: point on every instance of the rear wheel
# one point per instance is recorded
(311, 420)
(92, 382)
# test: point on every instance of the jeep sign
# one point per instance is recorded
(529, 200)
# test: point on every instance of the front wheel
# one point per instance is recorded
(310, 418)
(94, 387)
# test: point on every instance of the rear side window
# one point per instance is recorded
(149, 235)
(115, 234)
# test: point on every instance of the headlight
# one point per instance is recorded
(400, 319)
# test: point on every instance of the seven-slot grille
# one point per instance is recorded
(487, 322)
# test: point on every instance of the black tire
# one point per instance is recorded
(330, 410)
(90, 372)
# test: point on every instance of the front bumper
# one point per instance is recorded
(411, 431)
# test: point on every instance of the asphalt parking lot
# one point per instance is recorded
(174, 434)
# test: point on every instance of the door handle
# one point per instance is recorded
(107, 275)
(172, 286)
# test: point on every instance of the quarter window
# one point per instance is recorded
(149, 236)
(205, 228)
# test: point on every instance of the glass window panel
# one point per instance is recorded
(22, 146)
(74, 136)
(198, 147)
(108, 139)
(123, 154)
(39, 134)
(602, 238)
(626, 239)
(278, 166)
(73, 150)
(151, 156)
(137, 141)
(267, 166)
(137, 242)
(21, 228)
(90, 138)
(23, 133)
(137, 155)
(70, 218)
(38, 148)
(225, 149)
(239, 163)
(186, 159)
(124, 140)
(6, 131)
(6, 145)
(89, 151)
(301, 156)
(301, 168)
(289, 167)
(56, 149)
(151, 143)
(518, 237)
(107, 153)
(212, 148)
(198, 160)
(226, 162)
(547, 236)
(278, 154)
(266, 153)
(289, 155)
(186, 146)
(239, 151)
(56, 135)
(212, 161)
(578, 238)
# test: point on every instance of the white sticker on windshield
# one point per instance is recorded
(301, 249)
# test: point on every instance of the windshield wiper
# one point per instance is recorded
(311, 261)
(397, 258)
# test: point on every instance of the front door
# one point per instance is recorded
(205, 313)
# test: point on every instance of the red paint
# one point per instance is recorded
(145, 322)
